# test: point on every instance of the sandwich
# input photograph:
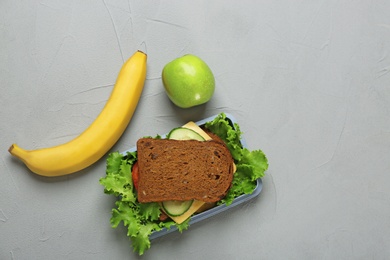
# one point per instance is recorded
(165, 181)
(183, 170)
(183, 175)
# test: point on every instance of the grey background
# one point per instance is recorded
(308, 81)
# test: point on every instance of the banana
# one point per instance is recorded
(101, 135)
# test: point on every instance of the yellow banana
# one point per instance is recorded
(101, 135)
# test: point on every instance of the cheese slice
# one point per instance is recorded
(191, 125)
(194, 207)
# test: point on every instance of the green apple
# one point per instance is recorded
(188, 81)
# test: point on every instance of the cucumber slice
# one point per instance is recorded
(182, 133)
(176, 208)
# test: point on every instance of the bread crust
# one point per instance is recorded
(183, 170)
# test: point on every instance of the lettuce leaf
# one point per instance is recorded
(142, 219)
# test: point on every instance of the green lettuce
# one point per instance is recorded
(142, 219)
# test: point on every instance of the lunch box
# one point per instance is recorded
(217, 209)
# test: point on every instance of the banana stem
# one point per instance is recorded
(17, 152)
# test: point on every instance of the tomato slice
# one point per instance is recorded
(135, 175)
(163, 216)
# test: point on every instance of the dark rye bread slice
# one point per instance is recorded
(183, 170)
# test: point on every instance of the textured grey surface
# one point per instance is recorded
(308, 81)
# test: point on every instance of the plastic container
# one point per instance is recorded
(218, 209)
